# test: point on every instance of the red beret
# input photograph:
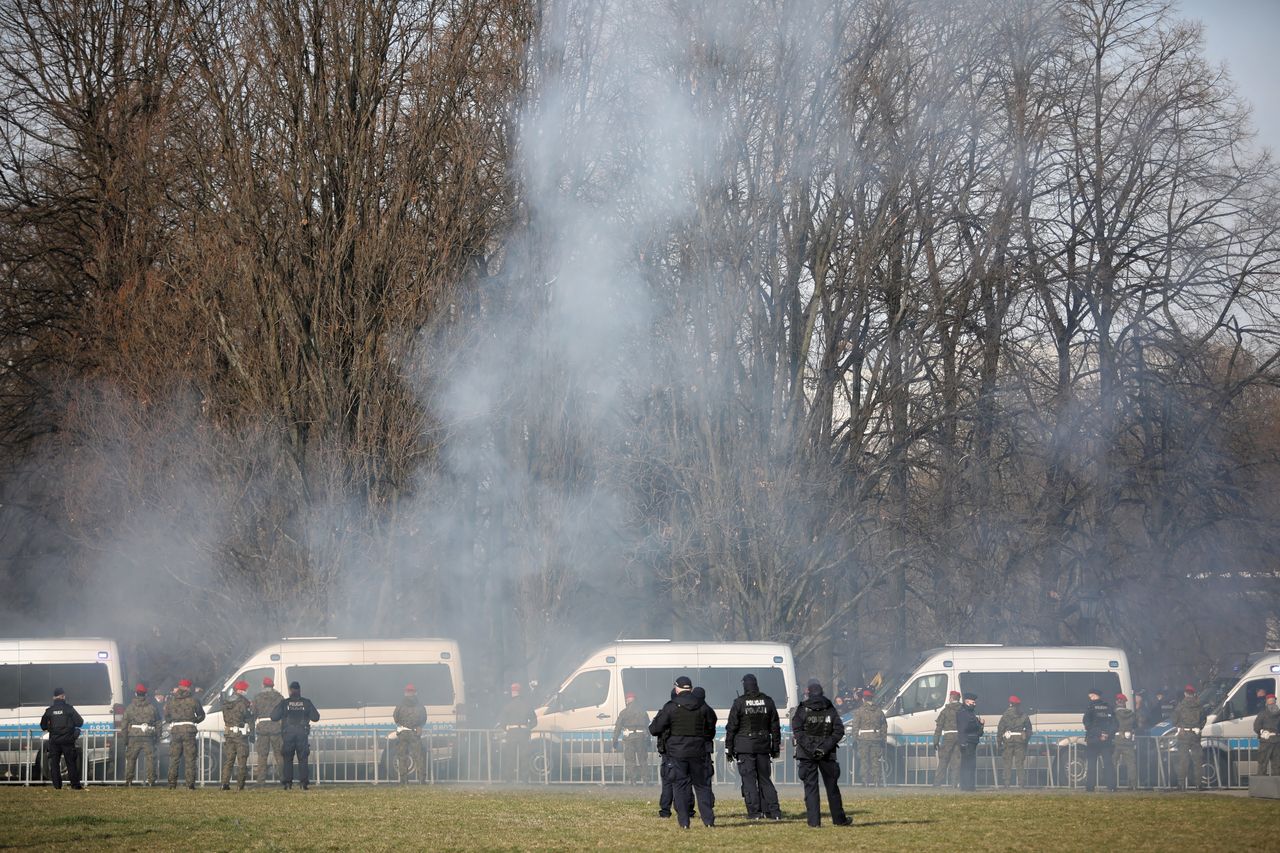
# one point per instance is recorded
(139, 688)
(186, 682)
(954, 694)
(867, 694)
(267, 681)
(1189, 689)
(409, 688)
(631, 697)
(1120, 697)
(1014, 700)
(242, 685)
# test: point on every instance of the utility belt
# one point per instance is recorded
(176, 725)
(262, 720)
(518, 727)
(1125, 735)
(238, 730)
(946, 732)
(406, 729)
(1014, 734)
(145, 728)
(1183, 731)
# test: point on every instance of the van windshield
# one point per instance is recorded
(356, 685)
(32, 684)
(652, 685)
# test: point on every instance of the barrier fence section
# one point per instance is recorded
(343, 755)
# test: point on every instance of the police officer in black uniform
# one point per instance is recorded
(63, 723)
(817, 729)
(1099, 741)
(295, 713)
(688, 725)
(969, 729)
(753, 738)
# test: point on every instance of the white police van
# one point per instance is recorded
(355, 685)
(88, 669)
(1053, 683)
(575, 727)
(1228, 738)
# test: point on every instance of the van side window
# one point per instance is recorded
(588, 690)
(926, 693)
(1245, 702)
(31, 684)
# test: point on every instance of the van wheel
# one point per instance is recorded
(211, 765)
(1216, 770)
(546, 761)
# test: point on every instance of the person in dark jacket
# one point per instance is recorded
(1099, 741)
(969, 727)
(295, 713)
(63, 723)
(753, 738)
(688, 725)
(517, 720)
(817, 729)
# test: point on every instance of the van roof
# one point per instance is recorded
(631, 647)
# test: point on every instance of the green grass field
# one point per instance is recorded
(440, 818)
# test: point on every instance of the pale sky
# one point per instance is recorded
(1245, 34)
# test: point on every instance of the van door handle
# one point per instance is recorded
(603, 716)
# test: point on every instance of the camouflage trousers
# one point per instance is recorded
(1126, 757)
(635, 755)
(409, 755)
(146, 746)
(948, 754)
(182, 748)
(1190, 761)
(235, 750)
(870, 755)
(1269, 757)
(269, 745)
(1015, 761)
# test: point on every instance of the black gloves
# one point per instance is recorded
(819, 754)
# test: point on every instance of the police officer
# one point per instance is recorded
(182, 712)
(409, 716)
(1267, 727)
(753, 738)
(871, 731)
(295, 715)
(817, 730)
(1099, 741)
(632, 727)
(969, 730)
(266, 732)
(140, 726)
(689, 725)
(666, 775)
(1126, 748)
(1013, 734)
(63, 723)
(237, 724)
(1162, 708)
(517, 722)
(1188, 719)
(946, 738)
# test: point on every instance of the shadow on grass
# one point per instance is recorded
(858, 824)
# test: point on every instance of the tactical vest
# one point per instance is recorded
(60, 724)
(1101, 713)
(755, 715)
(819, 723)
(686, 723)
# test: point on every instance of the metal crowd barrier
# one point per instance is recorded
(348, 755)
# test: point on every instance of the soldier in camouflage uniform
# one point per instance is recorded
(266, 731)
(140, 726)
(237, 724)
(1267, 727)
(946, 738)
(1013, 734)
(410, 716)
(1188, 719)
(634, 721)
(871, 730)
(1126, 749)
(182, 712)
